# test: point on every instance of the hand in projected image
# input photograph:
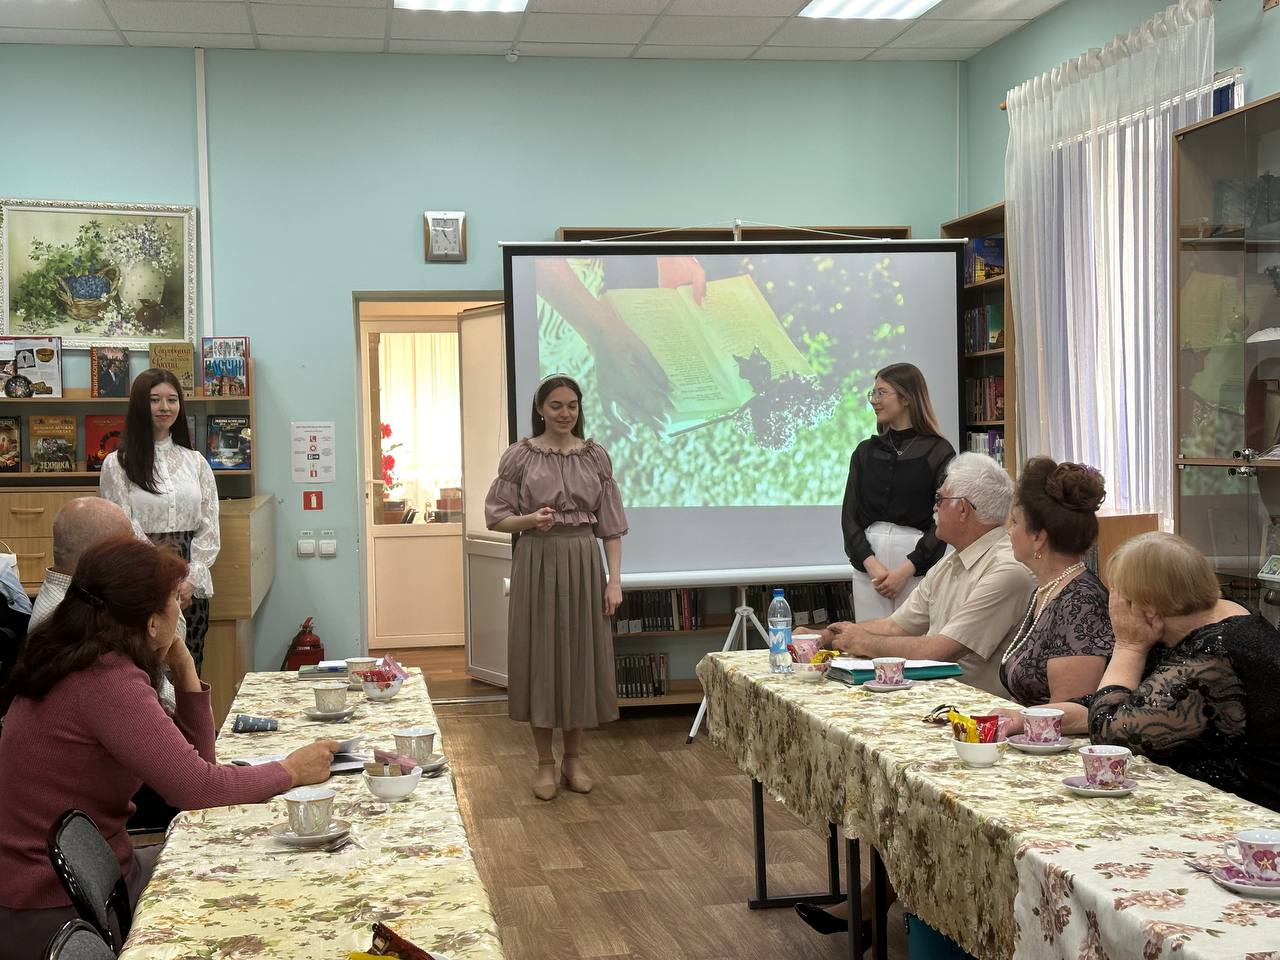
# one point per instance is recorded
(633, 389)
(683, 272)
(542, 519)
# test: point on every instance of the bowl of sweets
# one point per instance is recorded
(380, 683)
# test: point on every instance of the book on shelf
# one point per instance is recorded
(228, 443)
(987, 442)
(53, 444)
(697, 345)
(224, 365)
(983, 259)
(108, 372)
(30, 367)
(178, 357)
(984, 398)
(102, 435)
(10, 445)
(640, 675)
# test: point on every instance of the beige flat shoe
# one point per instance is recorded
(578, 784)
(545, 789)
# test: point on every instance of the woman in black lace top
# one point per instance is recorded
(1194, 681)
(887, 518)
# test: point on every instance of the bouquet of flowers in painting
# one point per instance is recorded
(118, 274)
(225, 362)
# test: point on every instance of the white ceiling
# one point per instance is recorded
(664, 29)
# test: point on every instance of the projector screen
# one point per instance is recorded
(728, 381)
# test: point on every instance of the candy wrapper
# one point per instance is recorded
(802, 649)
(824, 656)
(399, 759)
(391, 664)
(964, 727)
(988, 728)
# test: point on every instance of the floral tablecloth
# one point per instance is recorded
(1004, 859)
(224, 889)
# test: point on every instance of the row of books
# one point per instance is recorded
(983, 259)
(645, 610)
(31, 367)
(809, 602)
(984, 327)
(988, 442)
(52, 447)
(984, 399)
(640, 675)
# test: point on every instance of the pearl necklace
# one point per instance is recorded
(1025, 631)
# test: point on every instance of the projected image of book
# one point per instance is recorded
(699, 346)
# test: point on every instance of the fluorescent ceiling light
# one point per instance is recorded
(464, 6)
(868, 9)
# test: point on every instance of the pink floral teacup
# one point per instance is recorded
(890, 671)
(1104, 765)
(1259, 853)
(1042, 724)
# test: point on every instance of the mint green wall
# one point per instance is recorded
(321, 166)
(1245, 37)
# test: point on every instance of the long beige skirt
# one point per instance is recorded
(559, 643)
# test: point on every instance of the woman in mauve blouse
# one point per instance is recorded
(556, 490)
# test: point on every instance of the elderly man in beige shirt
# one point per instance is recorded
(969, 605)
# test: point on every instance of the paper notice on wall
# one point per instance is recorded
(312, 448)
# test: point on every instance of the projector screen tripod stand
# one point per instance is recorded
(736, 639)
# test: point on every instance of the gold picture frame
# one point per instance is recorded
(444, 236)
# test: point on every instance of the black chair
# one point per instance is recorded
(89, 872)
(77, 940)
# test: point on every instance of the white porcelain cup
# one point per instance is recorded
(310, 810)
(890, 671)
(331, 696)
(416, 742)
(358, 665)
(1042, 724)
(1257, 853)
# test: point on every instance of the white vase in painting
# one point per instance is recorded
(139, 282)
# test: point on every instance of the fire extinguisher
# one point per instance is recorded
(305, 648)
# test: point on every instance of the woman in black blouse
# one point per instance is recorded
(888, 500)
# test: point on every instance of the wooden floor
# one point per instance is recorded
(446, 671)
(656, 862)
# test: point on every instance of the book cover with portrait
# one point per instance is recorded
(108, 372)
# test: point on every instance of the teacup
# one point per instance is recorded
(416, 742)
(331, 696)
(1104, 765)
(890, 671)
(1259, 853)
(358, 665)
(310, 810)
(1042, 724)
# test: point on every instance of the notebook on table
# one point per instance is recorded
(854, 672)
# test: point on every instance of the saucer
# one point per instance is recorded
(337, 830)
(1079, 786)
(887, 687)
(1237, 881)
(433, 762)
(336, 716)
(1020, 742)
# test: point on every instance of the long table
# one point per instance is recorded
(223, 888)
(1005, 859)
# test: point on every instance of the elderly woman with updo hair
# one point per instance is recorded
(1064, 640)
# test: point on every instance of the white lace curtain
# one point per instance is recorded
(1087, 180)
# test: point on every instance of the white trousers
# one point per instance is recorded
(891, 544)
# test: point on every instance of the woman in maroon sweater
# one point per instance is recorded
(86, 729)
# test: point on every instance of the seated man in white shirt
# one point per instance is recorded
(969, 605)
(80, 524)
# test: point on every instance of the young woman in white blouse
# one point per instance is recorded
(166, 488)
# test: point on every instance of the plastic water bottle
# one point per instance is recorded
(779, 633)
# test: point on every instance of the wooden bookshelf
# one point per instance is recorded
(682, 692)
(984, 284)
(998, 352)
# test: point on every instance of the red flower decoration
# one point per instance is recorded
(386, 431)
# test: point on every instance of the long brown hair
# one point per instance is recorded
(544, 391)
(907, 380)
(117, 587)
(137, 451)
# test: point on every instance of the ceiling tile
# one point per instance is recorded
(325, 44)
(210, 41)
(575, 49)
(812, 53)
(658, 52)
(380, 4)
(584, 27)
(175, 16)
(714, 31)
(956, 33)
(298, 21)
(737, 8)
(92, 38)
(76, 15)
(596, 6)
(449, 47)
(433, 25)
(924, 53)
(991, 9)
(838, 33)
